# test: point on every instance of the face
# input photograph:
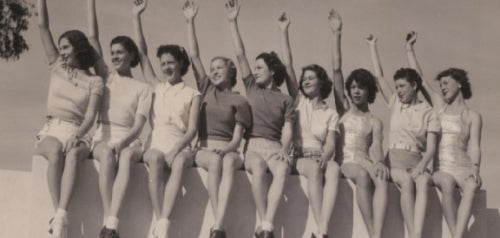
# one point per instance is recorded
(263, 76)
(406, 91)
(120, 57)
(359, 94)
(66, 51)
(219, 73)
(170, 67)
(449, 88)
(310, 84)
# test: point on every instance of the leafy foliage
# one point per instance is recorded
(14, 20)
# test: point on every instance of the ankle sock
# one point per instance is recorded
(268, 226)
(112, 223)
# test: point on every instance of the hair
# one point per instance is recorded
(130, 46)
(409, 75)
(364, 79)
(461, 77)
(84, 52)
(274, 64)
(325, 84)
(178, 52)
(232, 68)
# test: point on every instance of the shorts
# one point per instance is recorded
(265, 148)
(206, 146)
(164, 139)
(111, 133)
(403, 159)
(307, 153)
(62, 130)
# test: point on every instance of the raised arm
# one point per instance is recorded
(146, 67)
(190, 11)
(93, 33)
(382, 83)
(233, 9)
(286, 55)
(47, 40)
(341, 102)
(431, 94)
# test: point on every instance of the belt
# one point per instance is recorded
(404, 146)
(57, 120)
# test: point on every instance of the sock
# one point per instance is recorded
(268, 226)
(61, 214)
(111, 223)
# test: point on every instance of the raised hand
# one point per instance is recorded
(411, 38)
(334, 20)
(284, 21)
(371, 40)
(139, 6)
(233, 9)
(190, 10)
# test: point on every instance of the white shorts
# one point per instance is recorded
(60, 129)
(111, 133)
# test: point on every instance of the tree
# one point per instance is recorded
(14, 16)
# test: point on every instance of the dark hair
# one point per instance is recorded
(274, 64)
(325, 84)
(84, 52)
(364, 79)
(130, 46)
(232, 68)
(461, 77)
(178, 52)
(410, 75)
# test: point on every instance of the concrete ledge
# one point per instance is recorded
(192, 216)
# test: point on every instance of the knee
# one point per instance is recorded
(53, 153)
(422, 182)
(315, 173)
(281, 171)
(406, 183)
(154, 160)
(215, 166)
(127, 155)
(332, 172)
(180, 162)
(470, 188)
(258, 167)
(229, 163)
(363, 178)
(77, 154)
(446, 185)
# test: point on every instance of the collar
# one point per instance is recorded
(175, 89)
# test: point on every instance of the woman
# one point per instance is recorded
(74, 95)
(122, 115)
(360, 132)
(413, 132)
(270, 137)
(174, 124)
(223, 117)
(314, 142)
(459, 154)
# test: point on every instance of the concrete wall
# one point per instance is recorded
(193, 217)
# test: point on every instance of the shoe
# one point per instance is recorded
(108, 233)
(266, 234)
(58, 228)
(314, 236)
(214, 233)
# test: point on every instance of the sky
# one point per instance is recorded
(451, 33)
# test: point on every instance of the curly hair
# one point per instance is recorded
(461, 77)
(130, 46)
(232, 68)
(409, 75)
(274, 64)
(84, 52)
(364, 79)
(325, 84)
(178, 52)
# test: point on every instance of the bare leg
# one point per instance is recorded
(75, 155)
(155, 160)
(51, 149)
(173, 186)
(379, 206)
(407, 187)
(469, 188)
(422, 183)
(310, 169)
(107, 173)
(257, 167)
(231, 162)
(446, 183)
(332, 175)
(212, 163)
(280, 170)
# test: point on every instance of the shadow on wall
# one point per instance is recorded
(192, 215)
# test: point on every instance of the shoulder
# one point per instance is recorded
(377, 124)
(474, 117)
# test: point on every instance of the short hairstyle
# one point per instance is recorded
(364, 79)
(274, 64)
(409, 75)
(325, 84)
(461, 77)
(232, 68)
(130, 46)
(178, 52)
(84, 52)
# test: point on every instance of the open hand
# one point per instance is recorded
(190, 10)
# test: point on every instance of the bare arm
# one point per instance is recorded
(233, 9)
(47, 40)
(428, 155)
(286, 138)
(341, 102)
(377, 152)
(190, 11)
(134, 132)
(233, 145)
(146, 67)
(194, 112)
(431, 94)
(328, 148)
(475, 144)
(382, 83)
(93, 34)
(286, 54)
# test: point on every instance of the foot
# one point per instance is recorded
(266, 234)
(161, 229)
(214, 233)
(314, 236)
(108, 233)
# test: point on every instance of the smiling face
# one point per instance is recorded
(405, 90)
(120, 57)
(449, 88)
(310, 84)
(358, 93)
(220, 74)
(170, 67)
(263, 76)
(67, 52)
